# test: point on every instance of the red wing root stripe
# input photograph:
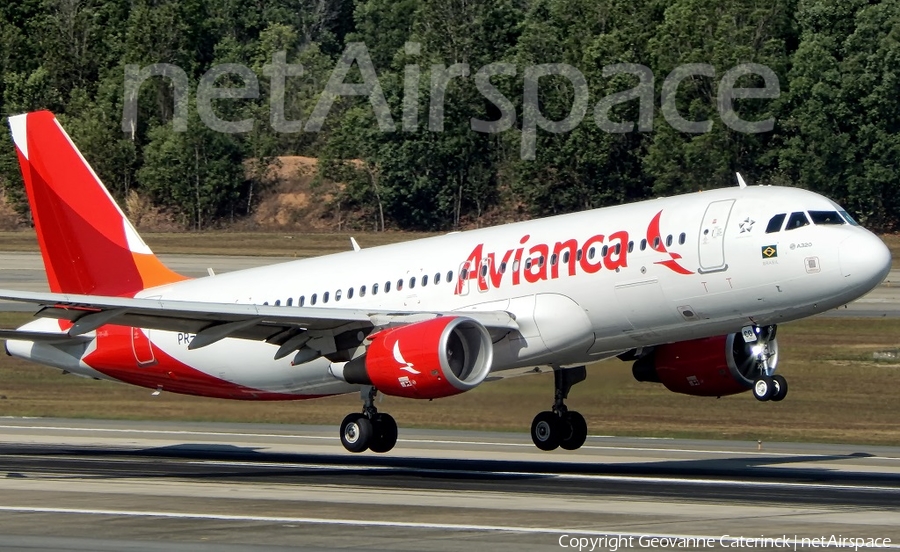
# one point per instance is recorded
(115, 357)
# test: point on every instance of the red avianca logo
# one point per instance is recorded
(544, 262)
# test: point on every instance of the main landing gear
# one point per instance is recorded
(767, 386)
(369, 430)
(561, 427)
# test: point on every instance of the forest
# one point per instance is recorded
(447, 114)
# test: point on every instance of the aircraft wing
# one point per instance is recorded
(289, 327)
(41, 337)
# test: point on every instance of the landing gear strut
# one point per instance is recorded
(767, 386)
(561, 427)
(370, 429)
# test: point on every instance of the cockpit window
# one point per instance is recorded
(775, 223)
(825, 217)
(848, 218)
(797, 220)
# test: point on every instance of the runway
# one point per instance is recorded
(100, 485)
(25, 272)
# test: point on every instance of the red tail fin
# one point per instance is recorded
(88, 245)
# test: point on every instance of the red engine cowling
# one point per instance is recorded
(709, 367)
(425, 360)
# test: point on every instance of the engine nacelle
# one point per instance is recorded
(709, 367)
(426, 360)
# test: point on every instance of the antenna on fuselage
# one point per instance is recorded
(740, 180)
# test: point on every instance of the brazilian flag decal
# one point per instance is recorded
(769, 251)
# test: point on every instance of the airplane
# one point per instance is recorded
(689, 288)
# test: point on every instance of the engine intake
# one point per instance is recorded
(426, 360)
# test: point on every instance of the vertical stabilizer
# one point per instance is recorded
(88, 245)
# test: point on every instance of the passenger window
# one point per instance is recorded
(656, 242)
(566, 257)
(325, 297)
(312, 300)
(775, 223)
(669, 240)
(527, 264)
(266, 304)
(591, 253)
(278, 302)
(643, 245)
(374, 289)
(553, 259)
(350, 293)
(578, 256)
(290, 302)
(618, 248)
(605, 251)
(502, 268)
(483, 270)
(515, 266)
(302, 301)
(682, 238)
(797, 220)
(541, 260)
(387, 287)
(437, 278)
(449, 276)
(337, 295)
(425, 280)
(630, 246)
(412, 282)
(362, 291)
(825, 217)
(400, 285)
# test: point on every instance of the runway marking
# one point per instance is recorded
(436, 441)
(380, 523)
(556, 475)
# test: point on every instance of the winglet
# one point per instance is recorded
(355, 245)
(87, 244)
(740, 180)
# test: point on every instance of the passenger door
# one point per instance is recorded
(712, 236)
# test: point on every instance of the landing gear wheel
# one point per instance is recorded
(577, 430)
(356, 432)
(781, 388)
(384, 435)
(763, 388)
(545, 430)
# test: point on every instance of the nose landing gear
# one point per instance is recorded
(773, 388)
(767, 386)
(561, 427)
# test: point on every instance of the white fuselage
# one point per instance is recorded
(714, 270)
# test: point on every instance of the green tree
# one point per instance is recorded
(723, 35)
(198, 174)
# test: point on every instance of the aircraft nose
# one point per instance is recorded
(864, 259)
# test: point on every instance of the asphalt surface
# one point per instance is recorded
(25, 272)
(99, 485)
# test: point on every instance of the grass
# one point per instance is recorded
(257, 244)
(838, 394)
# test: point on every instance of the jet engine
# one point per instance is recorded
(709, 367)
(425, 360)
